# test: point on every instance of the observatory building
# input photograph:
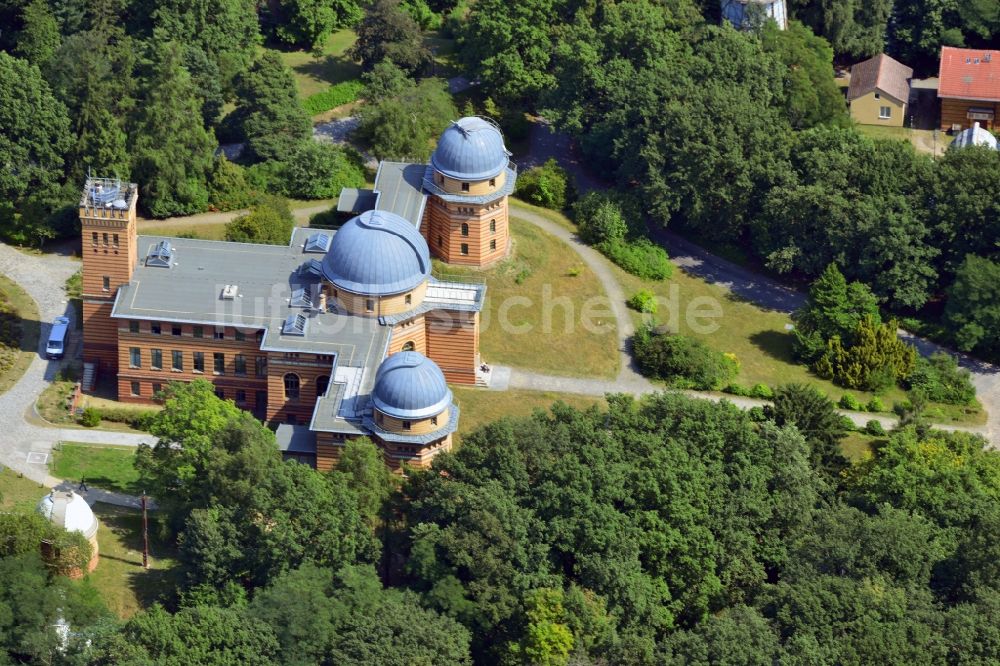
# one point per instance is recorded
(337, 335)
(71, 512)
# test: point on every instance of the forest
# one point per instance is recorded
(662, 531)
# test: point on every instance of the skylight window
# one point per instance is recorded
(294, 325)
(301, 298)
(160, 255)
(313, 266)
(318, 243)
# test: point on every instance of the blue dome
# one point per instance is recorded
(408, 385)
(470, 149)
(377, 253)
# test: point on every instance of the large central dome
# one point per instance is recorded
(470, 149)
(408, 385)
(377, 253)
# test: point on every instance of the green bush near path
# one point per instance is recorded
(336, 95)
(105, 467)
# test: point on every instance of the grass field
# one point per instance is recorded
(857, 445)
(19, 334)
(533, 302)
(19, 492)
(105, 467)
(122, 582)
(480, 406)
(314, 73)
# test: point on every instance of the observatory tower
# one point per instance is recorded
(107, 221)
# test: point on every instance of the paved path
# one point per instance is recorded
(25, 446)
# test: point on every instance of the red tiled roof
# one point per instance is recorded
(969, 74)
(880, 73)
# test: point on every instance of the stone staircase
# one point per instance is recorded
(89, 377)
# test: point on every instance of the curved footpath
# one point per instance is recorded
(24, 446)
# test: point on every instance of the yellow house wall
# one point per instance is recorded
(383, 305)
(865, 110)
(476, 187)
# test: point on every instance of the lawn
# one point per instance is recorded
(857, 446)
(120, 579)
(925, 141)
(533, 305)
(314, 73)
(19, 492)
(480, 406)
(106, 467)
(19, 327)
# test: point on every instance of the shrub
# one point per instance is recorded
(757, 414)
(762, 391)
(875, 405)
(228, 188)
(336, 95)
(848, 401)
(683, 361)
(737, 389)
(599, 218)
(873, 360)
(640, 257)
(941, 380)
(270, 222)
(874, 428)
(320, 170)
(140, 419)
(91, 417)
(548, 186)
(643, 301)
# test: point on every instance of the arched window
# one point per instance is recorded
(410, 345)
(291, 386)
(322, 382)
(465, 229)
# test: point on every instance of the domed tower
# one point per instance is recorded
(71, 512)
(469, 180)
(413, 416)
(377, 264)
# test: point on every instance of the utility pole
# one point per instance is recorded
(145, 534)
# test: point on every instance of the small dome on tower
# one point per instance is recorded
(409, 385)
(377, 253)
(471, 149)
(70, 512)
(975, 136)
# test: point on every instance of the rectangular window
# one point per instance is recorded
(465, 248)
(260, 366)
(135, 388)
(241, 396)
(156, 389)
(493, 182)
(220, 334)
(240, 364)
(104, 237)
(93, 237)
(134, 357)
(133, 326)
(408, 299)
(114, 240)
(219, 363)
(493, 245)
(156, 359)
(175, 330)
(370, 304)
(878, 96)
(199, 362)
(240, 336)
(154, 328)
(440, 241)
(406, 425)
(198, 331)
(465, 187)
(178, 360)
(493, 226)
(106, 283)
(885, 112)
(220, 393)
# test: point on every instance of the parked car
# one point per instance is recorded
(56, 346)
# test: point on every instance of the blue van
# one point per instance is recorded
(56, 345)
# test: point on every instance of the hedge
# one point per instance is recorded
(336, 95)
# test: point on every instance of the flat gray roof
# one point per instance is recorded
(353, 200)
(399, 187)
(295, 439)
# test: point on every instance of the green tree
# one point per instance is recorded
(274, 122)
(320, 171)
(548, 185)
(308, 23)
(853, 27)
(872, 359)
(38, 40)
(362, 468)
(385, 80)
(547, 640)
(834, 309)
(406, 126)
(265, 223)
(966, 216)
(228, 188)
(171, 149)
(389, 33)
(817, 419)
(973, 309)
(920, 28)
(600, 218)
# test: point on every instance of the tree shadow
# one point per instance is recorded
(776, 344)
(330, 69)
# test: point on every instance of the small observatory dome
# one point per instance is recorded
(470, 149)
(377, 253)
(410, 386)
(69, 511)
(975, 136)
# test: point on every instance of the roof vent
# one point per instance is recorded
(318, 243)
(314, 266)
(301, 298)
(229, 292)
(295, 324)
(987, 57)
(160, 255)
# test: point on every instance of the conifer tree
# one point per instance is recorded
(273, 120)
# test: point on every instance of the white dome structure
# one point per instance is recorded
(72, 513)
(975, 136)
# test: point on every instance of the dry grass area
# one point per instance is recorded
(533, 305)
(19, 327)
(480, 406)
